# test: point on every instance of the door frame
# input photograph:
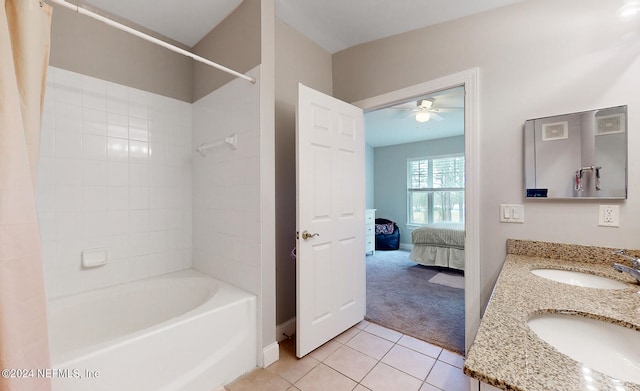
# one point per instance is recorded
(469, 80)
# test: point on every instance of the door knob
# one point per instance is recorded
(306, 235)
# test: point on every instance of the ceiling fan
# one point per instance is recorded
(426, 110)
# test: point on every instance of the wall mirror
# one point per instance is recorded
(578, 155)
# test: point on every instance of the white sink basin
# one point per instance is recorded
(579, 279)
(605, 347)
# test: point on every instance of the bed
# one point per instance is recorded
(439, 244)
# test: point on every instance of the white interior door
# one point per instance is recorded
(330, 268)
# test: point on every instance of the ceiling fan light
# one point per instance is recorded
(423, 117)
(425, 103)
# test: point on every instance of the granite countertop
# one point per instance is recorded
(509, 355)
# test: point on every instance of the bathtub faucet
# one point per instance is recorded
(634, 271)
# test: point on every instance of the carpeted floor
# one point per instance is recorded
(400, 297)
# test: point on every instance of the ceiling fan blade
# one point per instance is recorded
(436, 117)
(447, 109)
(401, 108)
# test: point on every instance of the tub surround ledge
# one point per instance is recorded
(507, 354)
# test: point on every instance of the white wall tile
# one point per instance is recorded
(94, 121)
(95, 173)
(118, 173)
(95, 198)
(138, 151)
(46, 198)
(119, 223)
(119, 247)
(139, 221)
(96, 182)
(95, 224)
(226, 193)
(68, 171)
(118, 149)
(47, 225)
(69, 253)
(138, 129)
(46, 171)
(138, 175)
(67, 117)
(68, 225)
(69, 198)
(157, 198)
(158, 220)
(68, 144)
(139, 244)
(117, 125)
(94, 100)
(118, 198)
(138, 198)
(94, 147)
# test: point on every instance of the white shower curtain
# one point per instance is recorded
(24, 56)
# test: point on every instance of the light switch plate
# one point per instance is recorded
(511, 213)
(609, 215)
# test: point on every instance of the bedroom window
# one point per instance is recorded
(435, 190)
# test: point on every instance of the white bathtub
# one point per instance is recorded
(180, 331)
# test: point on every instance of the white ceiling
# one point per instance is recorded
(396, 124)
(332, 24)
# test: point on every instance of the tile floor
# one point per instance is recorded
(365, 357)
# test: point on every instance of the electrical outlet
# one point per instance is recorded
(609, 216)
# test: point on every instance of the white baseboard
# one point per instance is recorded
(406, 246)
(270, 354)
(286, 329)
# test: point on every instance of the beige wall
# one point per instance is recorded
(297, 60)
(83, 45)
(234, 43)
(536, 58)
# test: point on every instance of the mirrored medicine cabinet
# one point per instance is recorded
(577, 156)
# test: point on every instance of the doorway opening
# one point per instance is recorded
(415, 273)
(468, 82)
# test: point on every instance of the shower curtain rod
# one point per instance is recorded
(149, 38)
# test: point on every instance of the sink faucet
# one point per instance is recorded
(634, 271)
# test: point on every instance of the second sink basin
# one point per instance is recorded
(608, 348)
(579, 279)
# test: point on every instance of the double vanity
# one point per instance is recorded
(560, 318)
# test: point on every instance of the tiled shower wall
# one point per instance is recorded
(226, 185)
(114, 172)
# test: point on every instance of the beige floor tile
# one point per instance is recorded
(259, 379)
(323, 378)
(362, 325)
(370, 345)
(409, 361)
(383, 332)
(385, 378)
(447, 377)
(292, 368)
(420, 346)
(293, 388)
(288, 345)
(350, 362)
(347, 335)
(429, 387)
(325, 350)
(451, 358)
(360, 387)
